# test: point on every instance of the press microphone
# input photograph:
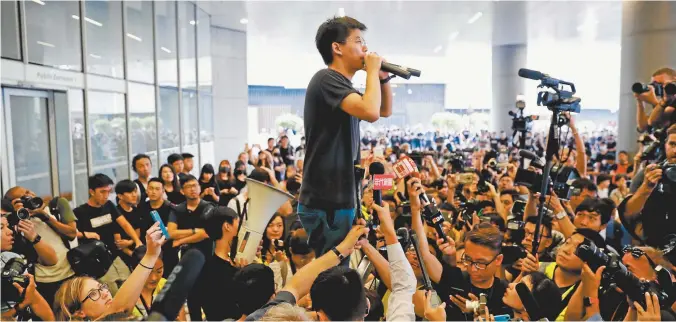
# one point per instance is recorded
(432, 215)
(376, 168)
(173, 295)
(529, 302)
(531, 74)
(397, 70)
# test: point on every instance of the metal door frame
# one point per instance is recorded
(8, 168)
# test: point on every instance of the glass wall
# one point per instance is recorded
(53, 34)
(142, 125)
(145, 45)
(104, 38)
(186, 29)
(168, 115)
(11, 41)
(108, 134)
(139, 37)
(165, 44)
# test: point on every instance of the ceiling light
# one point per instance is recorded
(341, 12)
(409, 91)
(475, 17)
(75, 17)
(193, 22)
(135, 37)
(244, 21)
(166, 50)
(454, 35)
(93, 22)
(39, 2)
(95, 56)
(394, 85)
(394, 94)
(437, 49)
(46, 44)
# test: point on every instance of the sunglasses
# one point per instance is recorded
(637, 253)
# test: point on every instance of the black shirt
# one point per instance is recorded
(101, 221)
(175, 197)
(210, 184)
(287, 153)
(657, 218)
(217, 277)
(169, 253)
(224, 198)
(455, 277)
(143, 195)
(332, 139)
(281, 297)
(187, 219)
(139, 218)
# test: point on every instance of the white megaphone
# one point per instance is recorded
(264, 200)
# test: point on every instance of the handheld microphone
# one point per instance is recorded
(432, 215)
(173, 295)
(397, 70)
(529, 302)
(531, 74)
(374, 169)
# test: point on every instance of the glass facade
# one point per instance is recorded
(144, 45)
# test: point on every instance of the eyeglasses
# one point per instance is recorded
(95, 294)
(358, 41)
(637, 253)
(478, 265)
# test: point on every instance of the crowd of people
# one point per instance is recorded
(465, 235)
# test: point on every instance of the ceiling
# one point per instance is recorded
(423, 28)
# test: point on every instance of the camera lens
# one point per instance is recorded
(639, 88)
(23, 214)
(670, 89)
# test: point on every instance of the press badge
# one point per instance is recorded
(101, 221)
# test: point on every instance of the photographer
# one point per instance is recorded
(31, 297)
(55, 234)
(482, 257)
(661, 116)
(652, 207)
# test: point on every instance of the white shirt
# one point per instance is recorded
(400, 304)
(62, 269)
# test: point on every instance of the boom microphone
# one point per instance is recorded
(397, 70)
(531, 74)
(173, 295)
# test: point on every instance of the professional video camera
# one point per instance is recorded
(654, 151)
(618, 275)
(456, 160)
(11, 273)
(467, 209)
(561, 179)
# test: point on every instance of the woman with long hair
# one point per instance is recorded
(171, 187)
(84, 298)
(208, 185)
(274, 233)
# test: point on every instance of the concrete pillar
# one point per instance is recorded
(230, 92)
(508, 55)
(648, 43)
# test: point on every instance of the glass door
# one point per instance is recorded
(29, 143)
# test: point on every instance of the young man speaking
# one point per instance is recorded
(333, 109)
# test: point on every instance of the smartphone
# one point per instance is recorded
(156, 218)
(465, 178)
(518, 208)
(459, 291)
(502, 318)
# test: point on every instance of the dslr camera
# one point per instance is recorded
(618, 274)
(561, 178)
(29, 204)
(11, 273)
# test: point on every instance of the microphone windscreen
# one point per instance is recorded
(528, 155)
(180, 282)
(530, 74)
(376, 168)
(529, 302)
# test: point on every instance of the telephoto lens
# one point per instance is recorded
(32, 203)
(670, 89)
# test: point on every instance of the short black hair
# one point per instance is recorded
(215, 218)
(255, 284)
(600, 206)
(339, 292)
(592, 236)
(546, 222)
(156, 180)
(173, 158)
(546, 294)
(260, 175)
(270, 139)
(187, 178)
(602, 177)
(512, 192)
(99, 180)
(139, 157)
(187, 155)
(584, 183)
(124, 186)
(335, 29)
(487, 235)
(377, 310)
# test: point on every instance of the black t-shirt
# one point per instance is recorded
(224, 198)
(169, 253)
(658, 217)
(455, 277)
(332, 139)
(175, 197)
(101, 221)
(217, 274)
(210, 184)
(187, 219)
(139, 218)
(287, 154)
(143, 195)
(281, 297)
